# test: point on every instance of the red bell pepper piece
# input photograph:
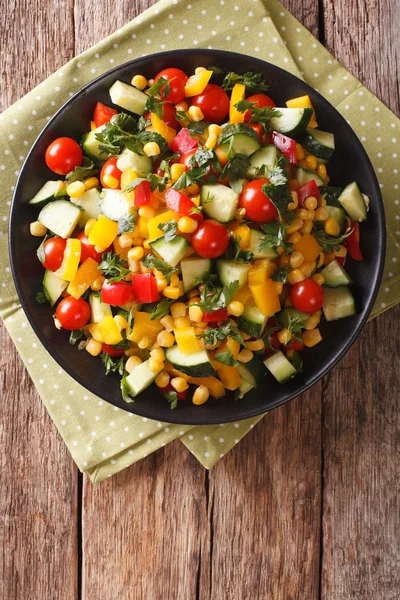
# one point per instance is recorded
(143, 194)
(221, 314)
(341, 260)
(183, 142)
(309, 189)
(169, 388)
(113, 352)
(257, 128)
(295, 345)
(182, 205)
(286, 145)
(145, 288)
(103, 114)
(116, 293)
(353, 241)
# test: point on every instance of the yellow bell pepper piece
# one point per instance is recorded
(123, 252)
(87, 274)
(141, 227)
(187, 341)
(159, 126)
(309, 247)
(70, 262)
(266, 298)
(243, 295)
(197, 83)
(109, 331)
(303, 102)
(232, 345)
(92, 126)
(214, 385)
(103, 233)
(260, 271)
(94, 330)
(238, 93)
(228, 375)
(153, 223)
(144, 327)
(242, 232)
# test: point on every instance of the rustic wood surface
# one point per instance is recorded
(305, 507)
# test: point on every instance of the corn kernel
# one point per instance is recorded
(94, 348)
(342, 252)
(321, 170)
(179, 384)
(295, 276)
(311, 338)
(294, 238)
(167, 322)
(183, 106)
(171, 292)
(245, 356)
(211, 141)
(192, 189)
(295, 225)
(322, 202)
(139, 82)
(90, 183)
(137, 241)
(156, 365)
(284, 260)
(307, 227)
(195, 314)
(125, 241)
(158, 354)
(300, 154)
(178, 309)
(199, 70)
(284, 336)
(132, 363)
(110, 181)
(176, 171)
(222, 156)
(311, 162)
(215, 129)
(133, 265)
(278, 287)
(235, 308)
(151, 149)
(294, 185)
(308, 268)
(136, 253)
(255, 345)
(89, 226)
(311, 203)
(76, 189)
(150, 82)
(175, 280)
(187, 225)
(147, 212)
(195, 114)
(303, 164)
(312, 322)
(328, 257)
(165, 339)
(98, 283)
(121, 322)
(37, 229)
(181, 323)
(146, 244)
(296, 259)
(318, 278)
(201, 395)
(295, 201)
(162, 283)
(321, 214)
(143, 343)
(162, 379)
(332, 227)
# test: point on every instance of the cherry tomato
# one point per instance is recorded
(111, 351)
(307, 296)
(110, 168)
(73, 313)
(143, 194)
(214, 103)
(259, 207)
(177, 80)
(103, 114)
(117, 293)
(294, 345)
(257, 128)
(169, 388)
(273, 342)
(260, 100)
(54, 253)
(63, 155)
(169, 115)
(88, 251)
(210, 239)
(221, 314)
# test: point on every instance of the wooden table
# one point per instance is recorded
(305, 507)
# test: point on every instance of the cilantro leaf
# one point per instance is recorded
(162, 309)
(277, 190)
(214, 297)
(150, 261)
(155, 89)
(259, 115)
(126, 223)
(113, 267)
(172, 398)
(124, 344)
(226, 357)
(235, 254)
(183, 181)
(151, 136)
(274, 235)
(227, 329)
(41, 297)
(236, 170)
(297, 362)
(125, 122)
(75, 335)
(113, 365)
(180, 115)
(197, 127)
(169, 230)
(83, 171)
(155, 106)
(280, 274)
(253, 82)
(128, 315)
(329, 243)
(117, 134)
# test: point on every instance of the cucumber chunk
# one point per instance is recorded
(253, 371)
(46, 193)
(219, 201)
(252, 321)
(171, 252)
(131, 160)
(319, 143)
(353, 202)
(241, 143)
(53, 286)
(254, 246)
(280, 367)
(334, 275)
(288, 314)
(243, 388)
(99, 308)
(195, 365)
(331, 194)
(128, 97)
(61, 217)
(89, 203)
(229, 271)
(338, 303)
(114, 205)
(292, 120)
(267, 156)
(304, 176)
(90, 145)
(194, 269)
(140, 379)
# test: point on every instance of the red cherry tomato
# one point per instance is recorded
(143, 194)
(214, 103)
(307, 296)
(73, 313)
(177, 80)
(294, 345)
(63, 155)
(221, 314)
(110, 168)
(88, 251)
(111, 351)
(169, 388)
(257, 128)
(210, 239)
(259, 207)
(117, 293)
(103, 114)
(54, 253)
(169, 115)
(260, 100)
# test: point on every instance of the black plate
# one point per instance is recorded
(350, 162)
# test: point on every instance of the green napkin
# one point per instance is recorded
(103, 439)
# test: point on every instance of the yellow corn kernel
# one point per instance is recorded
(162, 379)
(284, 336)
(136, 253)
(92, 126)
(245, 356)
(235, 308)
(183, 106)
(321, 170)
(110, 181)
(90, 183)
(192, 189)
(187, 225)
(301, 213)
(76, 189)
(278, 287)
(321, 214)
(176, 171)
(94, 348)
(137, 241)
(165, 339)
(318, 278)
(178, 309)
(295, 201)
(300, 154)
(296, 259)
(284, 260)
(215, 129)
(310, 215)
(312, 322)
(311, 338)
(308, 268)
(144, 342)
(121, 322)
(147, 212)
(139, 82)
(328, 257)
(294, 238)
(295, 276)
(332, 227)
(146, 244)
(167, 322)
(132, 363)
(156, 365)
(201, 395)
(133, 265)
(89, 226)
(158, 354)
(151, 149)
(295, 225)
(98, 284)
(322, 202)
(195, 314)
(181, 323)
(179, 384)
(127, 177)
(307, 227)
(342, 252)
(294, 185)
(311, 203)
(211, 141)
(37, 229)
(172, 292)
(175, 280)
(195, 114)
(311, 162)
(125, 241)
(255, 345)
(222, 156)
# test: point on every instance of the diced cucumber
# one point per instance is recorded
(319, 143)
(99, 308)
(139, 379)
(338, 214)
(331, 194)
(252, 321)
(353, 202)
(131, 160)
(114, 205)
(195, 365)
(338, 303)
(53, 286)
(90, 145)
(89, 203)
(128, 97)
(241, 143)
(229, 271)
(292, 120)
(194, 269)
(46, 193)
(267, 156)
(334, 275)
(172, 252)
(253, 371)
(243, 388)
(254, 246)
(280, 367)
(288, 314)
(219, 201)
(304, 176)
(61, 217)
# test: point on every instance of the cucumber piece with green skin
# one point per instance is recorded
(229, 270)
(304, 176)
(319, 143)
(196, 364)
(46, 193)
(252, 321)
(241, 143)
(253, 371)
(128, 97)
(243, 388)
(89, 203)
(219, 202)
(338, 214)
(114, 205)
(139, 379)
(99, 309)
(353, 202)
(172, 252)
(267, 156)
(338, 303)
(53, 286)
(280, 367)
(334, 275)
(288, 314)
(61, 217)
(90, 145)
(292, 120)
(194, 269)
(254, 246)
(142, 165)
(331, 194)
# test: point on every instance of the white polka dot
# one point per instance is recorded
(122, 444)
(377, 124)
(394, 140)
(141, 434)
(236, 425)
(394, 259)
(221, 440)
(93, 433)
(112, 423)
(190, 437)
(206, 454)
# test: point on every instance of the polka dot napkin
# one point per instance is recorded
(102, 439)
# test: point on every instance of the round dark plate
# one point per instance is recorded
(350, 162)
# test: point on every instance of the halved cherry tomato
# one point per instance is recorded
(54, 253)
(169, 115)
(221, 314)
(260, 100)
(63, 155)
(169, 388)
(295, 345)
(257, 128)
(259, 207)
(182, 205)
(210, 239)
(353, 241)
(73, 313)
(143, 194)
(145, 288)
(214, 103)
(177, 80)
(117, 293)
(103, 114)
(88, 251)
(111, 351)
(307, 296)
(110, 168)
